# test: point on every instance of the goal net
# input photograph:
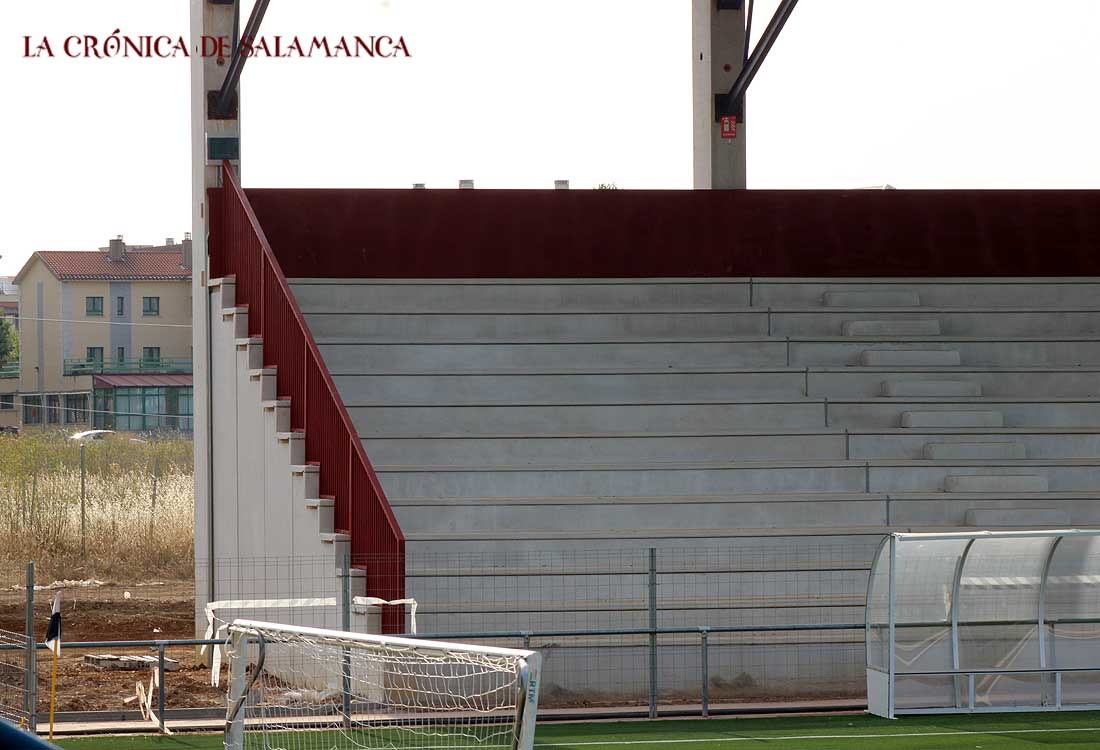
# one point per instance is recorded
(301, 688)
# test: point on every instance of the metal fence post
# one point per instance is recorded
(345, 624)
(32, 656)
(653, 632)
(703, 645)
(160, 688)
(83, 514)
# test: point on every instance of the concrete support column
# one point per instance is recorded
(718, 54)
(210, 140)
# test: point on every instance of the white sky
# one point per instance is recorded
(517, 93)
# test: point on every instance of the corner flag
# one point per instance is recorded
(53, 632)
(53, 643)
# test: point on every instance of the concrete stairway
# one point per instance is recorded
(558, 412)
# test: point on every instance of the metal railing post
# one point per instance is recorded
(653, 632)
(160, 688)
(345, 624)
(32, 656)
(704, 646)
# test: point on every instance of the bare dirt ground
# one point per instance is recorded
(103, 613)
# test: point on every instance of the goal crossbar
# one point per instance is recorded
(364, 690)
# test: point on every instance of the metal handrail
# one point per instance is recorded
(77, 366)
(240, 248)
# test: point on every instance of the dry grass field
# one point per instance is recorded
(138, 507)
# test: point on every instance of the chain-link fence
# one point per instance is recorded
(632, 628)
(15, 687)
(768, 620)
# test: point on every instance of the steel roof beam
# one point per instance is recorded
(236, 65)
(733, 102)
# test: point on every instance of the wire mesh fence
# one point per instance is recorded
(625, 628)
(765, 620)
(15, 688)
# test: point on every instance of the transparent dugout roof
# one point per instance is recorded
(981, 600)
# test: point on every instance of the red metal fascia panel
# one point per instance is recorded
(689, 233)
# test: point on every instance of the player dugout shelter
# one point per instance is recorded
(984, 621)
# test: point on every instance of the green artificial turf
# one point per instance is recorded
(1065, 731)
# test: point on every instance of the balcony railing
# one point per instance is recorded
(240, 248)
(9, 370)
(124, 366)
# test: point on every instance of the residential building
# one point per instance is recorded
(9, 300)
(105, 338)
(9, 370)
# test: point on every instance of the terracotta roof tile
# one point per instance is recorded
(145, 264)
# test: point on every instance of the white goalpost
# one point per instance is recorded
(301, 688)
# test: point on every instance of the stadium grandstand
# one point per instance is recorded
(593, 412)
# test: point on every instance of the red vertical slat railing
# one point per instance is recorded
(238, 247)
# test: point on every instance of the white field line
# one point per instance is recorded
(815, 737)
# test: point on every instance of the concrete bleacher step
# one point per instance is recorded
(667, 478)
(813, 444)
(653, 384)
(966, 451)
(506, 295)
(883, 297)
(998, 351)
(578, 514)
(520, 420)
(394, 453)
(937, 292)
(934, 321)
(561, 517)
(577, 388)
(891, 328)
(601, 324)
(588, 326)
(959, 418)
(549, 419)
(910, 358)
(1026, 518)
(996, 483)
(348, 356)
(931, 388)
(1050, 380)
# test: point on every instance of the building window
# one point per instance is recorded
(150, 305)
(120, 354)
(7, 401)
(95, 355)
(53, 409)
(150, 355)
(32, 410)
(93, 306)
(103, 415)
(120, 306)
(149, 408)
(76, 408)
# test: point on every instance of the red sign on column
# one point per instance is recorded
(729, 126)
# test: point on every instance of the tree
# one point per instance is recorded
(9, 342)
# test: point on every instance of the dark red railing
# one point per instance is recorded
(239, 247)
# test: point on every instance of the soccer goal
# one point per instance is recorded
(299, 688)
